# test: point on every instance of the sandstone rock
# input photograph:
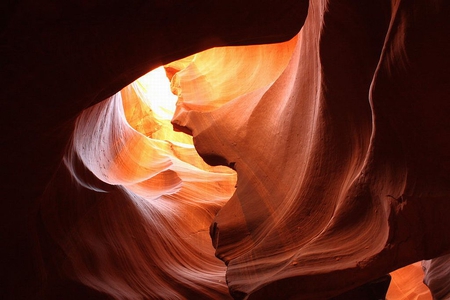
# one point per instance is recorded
(339, 138)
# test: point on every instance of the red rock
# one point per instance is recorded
(341, 149)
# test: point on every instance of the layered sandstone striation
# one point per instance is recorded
(134, 221)
(339, 137)
(336, 172)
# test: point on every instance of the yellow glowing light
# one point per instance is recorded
(149, 107)
(155, 88)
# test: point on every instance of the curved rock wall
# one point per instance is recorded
(341, 148)
(134, 221)
(335, 179)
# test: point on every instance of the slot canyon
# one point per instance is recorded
(225, 149)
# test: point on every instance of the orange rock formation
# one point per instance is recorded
(339, 137)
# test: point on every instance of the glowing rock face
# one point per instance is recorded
(407, 284)
(328, 197)
(341, 146)
(210, 79)
(170, 195)
(145, 234)
(297, 218)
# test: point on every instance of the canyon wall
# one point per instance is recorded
(337, 128)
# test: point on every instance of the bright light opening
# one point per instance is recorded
(156, 93)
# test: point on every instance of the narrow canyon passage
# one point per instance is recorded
(324, 150)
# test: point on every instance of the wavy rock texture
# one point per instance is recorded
(339, 138)
(334, 162)
(137, 227)
(59, 58)
(436, 276)
(134, 222)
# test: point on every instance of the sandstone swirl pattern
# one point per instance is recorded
(339, 137)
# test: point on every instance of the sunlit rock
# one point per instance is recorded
(335, 176)
(407, 284)
(137, 227)
(339, 137)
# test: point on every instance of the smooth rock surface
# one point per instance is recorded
(339, 136)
